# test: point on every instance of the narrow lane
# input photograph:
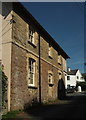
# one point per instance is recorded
(73, 108)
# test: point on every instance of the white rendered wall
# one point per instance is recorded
(72, 81)
(80, 77)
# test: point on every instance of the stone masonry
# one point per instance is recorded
(21, 94)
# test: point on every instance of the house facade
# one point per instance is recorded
(33, 62)
(73, 77)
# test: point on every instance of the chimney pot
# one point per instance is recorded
(69, 69)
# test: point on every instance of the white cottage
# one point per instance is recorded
(72, 77)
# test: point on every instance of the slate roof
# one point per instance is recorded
(72, 72)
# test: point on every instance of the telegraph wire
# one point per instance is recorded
(4, 19)
(4, 28)
(5, 32)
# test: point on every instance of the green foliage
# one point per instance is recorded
(3, 81)
(11, 114)
(84, 76)
(83, 85)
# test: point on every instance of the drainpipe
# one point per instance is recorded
(39, 73)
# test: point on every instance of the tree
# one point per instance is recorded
(84, 76)
(82, 84)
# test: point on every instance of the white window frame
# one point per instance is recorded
(31, 71)
(50, 51)
(59, 59)
(50, 78)
(31, 35)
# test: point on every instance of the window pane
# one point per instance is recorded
(68, 77)
(30, 81)
(31, 70)
(31, 34)
(50, 77)
(31, 75)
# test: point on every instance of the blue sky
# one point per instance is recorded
(65, 23)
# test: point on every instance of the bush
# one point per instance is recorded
(83, 85)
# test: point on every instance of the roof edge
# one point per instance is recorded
(40, 27)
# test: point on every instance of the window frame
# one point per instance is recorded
(59, 59)
(31, 71)
(51, 81)
(31, 36)
(50, 51)
(68, 77)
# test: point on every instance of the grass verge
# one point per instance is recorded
(11, 114)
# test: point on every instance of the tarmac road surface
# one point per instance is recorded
(72, 108)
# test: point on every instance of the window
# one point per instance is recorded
(50, 78)
(31, 72)
(59, 59)
(31, 35)
(50, 51)
(68, 77)
(77, 77)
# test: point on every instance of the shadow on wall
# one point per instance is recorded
(33, 103)
(61, 89)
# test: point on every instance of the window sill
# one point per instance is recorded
(32, 87)
(51, 84)
(50, 57)
(59, 63)
(32, 44)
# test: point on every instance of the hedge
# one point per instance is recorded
(83, 85)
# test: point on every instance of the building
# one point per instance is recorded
(33, 61)
(73, 77)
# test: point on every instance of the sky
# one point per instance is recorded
(64, 21)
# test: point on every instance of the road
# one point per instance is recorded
(74, 107)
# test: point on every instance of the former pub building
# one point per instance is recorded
(33, 61)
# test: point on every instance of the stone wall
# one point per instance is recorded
(45, 88)
(21, 93)
(20, 33)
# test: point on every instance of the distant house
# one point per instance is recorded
(72, 77)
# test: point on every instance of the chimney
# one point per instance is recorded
(68, 69)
